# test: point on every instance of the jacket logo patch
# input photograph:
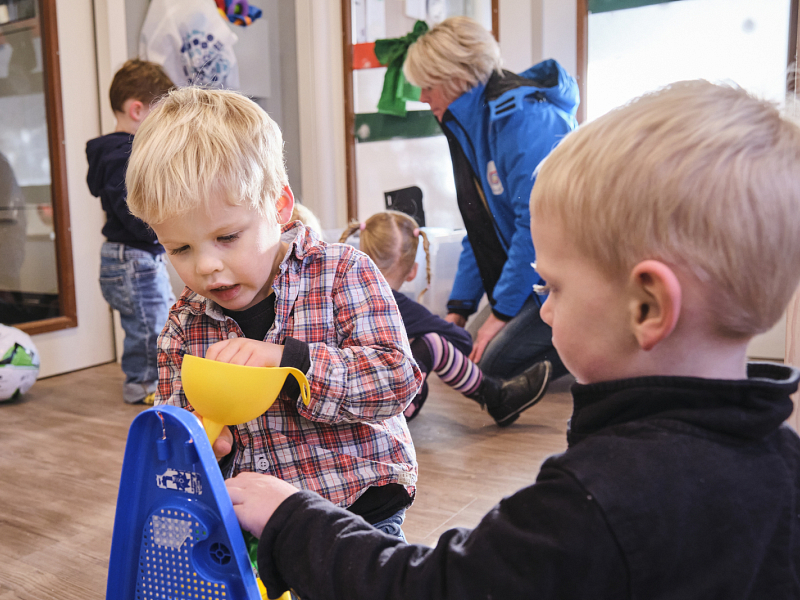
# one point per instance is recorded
(493, 178)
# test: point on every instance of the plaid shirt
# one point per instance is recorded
(352, 435)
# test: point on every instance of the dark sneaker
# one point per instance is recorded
(520, 393)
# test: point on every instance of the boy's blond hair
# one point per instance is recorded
(700, 176)
(457, 54)
(198, 145)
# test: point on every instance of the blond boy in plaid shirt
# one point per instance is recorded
(207, 174)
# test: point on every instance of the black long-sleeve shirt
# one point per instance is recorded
(670, 488)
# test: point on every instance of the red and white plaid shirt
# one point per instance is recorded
(353, 434)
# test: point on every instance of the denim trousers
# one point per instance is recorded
(136, 283)
(392, 525)
(523, 342)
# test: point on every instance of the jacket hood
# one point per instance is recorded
(547, 78)
(558, 86)
(102, 153)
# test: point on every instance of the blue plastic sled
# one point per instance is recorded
(176, 536)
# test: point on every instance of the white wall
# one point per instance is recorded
(533, 30)
(397, 164)
(559, 32)
(517, 39)
(90, 343)
(112, 49)
(320, 85)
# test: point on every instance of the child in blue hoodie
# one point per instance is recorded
(133, 274)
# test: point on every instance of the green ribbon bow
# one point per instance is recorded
(396, 88)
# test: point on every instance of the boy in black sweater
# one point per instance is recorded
(667, 233)
(133, 274)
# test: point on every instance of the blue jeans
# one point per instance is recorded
(523, 342)
(136, 283)
(391, 526)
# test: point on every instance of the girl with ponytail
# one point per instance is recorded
(391, 239)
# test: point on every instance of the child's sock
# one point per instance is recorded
(452, 366)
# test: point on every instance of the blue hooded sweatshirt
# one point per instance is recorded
(498, 134)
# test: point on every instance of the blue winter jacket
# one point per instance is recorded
(498, 134)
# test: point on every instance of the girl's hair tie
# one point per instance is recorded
(362, 226)
(416, 232)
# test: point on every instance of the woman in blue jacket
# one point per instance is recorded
(499, 127)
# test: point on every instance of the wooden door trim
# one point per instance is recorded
(58, 184)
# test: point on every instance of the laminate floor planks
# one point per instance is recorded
(61, 451)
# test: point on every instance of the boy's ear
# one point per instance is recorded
(412, 274)
(285, 205)
(655, 303)
(137, 110)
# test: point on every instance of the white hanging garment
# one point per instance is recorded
(192, 41)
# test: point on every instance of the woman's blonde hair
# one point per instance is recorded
(457, 54)
(701, 176)
(390, 239)
(198, 144)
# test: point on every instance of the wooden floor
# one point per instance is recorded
(61, 450)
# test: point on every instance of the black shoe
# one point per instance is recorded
(520, 393)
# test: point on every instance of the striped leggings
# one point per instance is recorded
(451, 365)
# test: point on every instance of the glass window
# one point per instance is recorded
(636, 50)
(29, 273)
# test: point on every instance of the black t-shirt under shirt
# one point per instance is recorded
(375, 504)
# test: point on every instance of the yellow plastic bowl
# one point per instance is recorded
(225, 394)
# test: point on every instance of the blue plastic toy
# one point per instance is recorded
(176, 535)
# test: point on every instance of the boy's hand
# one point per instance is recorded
(223, 445)
(255, 497)
(247, 352)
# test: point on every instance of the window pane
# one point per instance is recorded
(641, 49)
(28, 273)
